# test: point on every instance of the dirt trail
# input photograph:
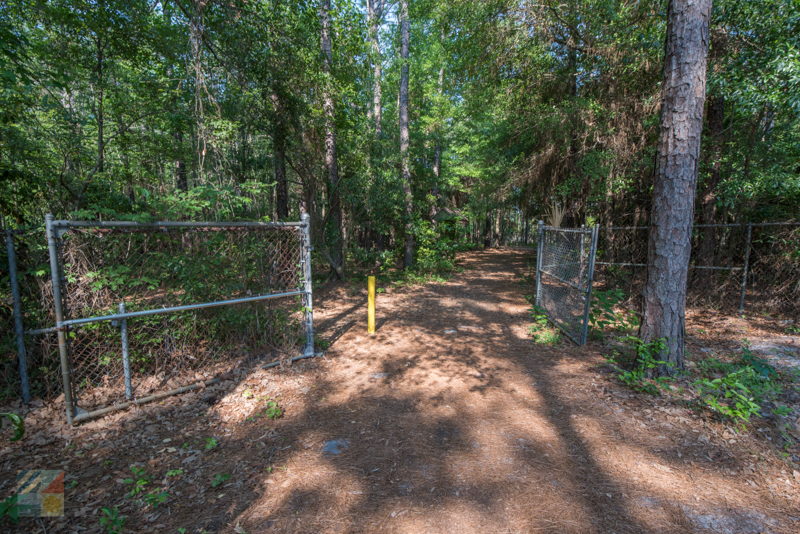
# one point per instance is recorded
(449, 419)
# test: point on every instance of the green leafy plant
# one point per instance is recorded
(782, 410)
(17, 422)
(605, 312)
(155, 498)
(175, 472)
(111, 520)
(211, 443)
(759, 365)
(541, 330)
(638, 375)
(9, 508)
(138, 481)
(219, 479)
(273, 411)
(738, 389)
(729, 395)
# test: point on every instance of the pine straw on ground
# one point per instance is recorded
(454, 422)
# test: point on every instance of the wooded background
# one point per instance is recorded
(402, 127)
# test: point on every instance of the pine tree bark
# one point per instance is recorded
(405, 159)
(675, 180)
(334, 231)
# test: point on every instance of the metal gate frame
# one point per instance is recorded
(56, 228)
(584, 289)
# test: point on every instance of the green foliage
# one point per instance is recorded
(9, 508)
(210, 443)
(17, 423)
(112, 521)
(541, 330)
(219, 479)
(435, 253)
(156, 498)
(272, 410)
(737, 390)
(138, 481)
(638, 373)
(605, 312)
(730, 395)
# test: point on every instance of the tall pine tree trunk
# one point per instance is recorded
(334, 230)
(675, 181)
(405, 159)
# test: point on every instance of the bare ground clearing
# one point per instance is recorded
(449, 419)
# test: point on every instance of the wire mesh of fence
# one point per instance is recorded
(773, 270)
(565, 265)
(148, 308)
(744, 267)
(156, 267)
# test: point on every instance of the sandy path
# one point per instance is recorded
(456, 422)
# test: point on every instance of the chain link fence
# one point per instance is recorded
(564, 272)
(145, 309)
(741, 267)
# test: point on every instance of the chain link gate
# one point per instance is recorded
(146, 310)
(564, 273)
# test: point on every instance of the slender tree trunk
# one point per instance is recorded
(181, 182)
(100, 105)
(675, 181)
(195, 41)
(334, 237)
(279, 158)
(437, 149)
(375, 15)
(405, 159)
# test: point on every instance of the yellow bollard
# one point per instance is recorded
(371, 305)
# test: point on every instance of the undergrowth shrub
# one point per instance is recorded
(606, 312)
(635, 369)
(541, 330)
(737, 390)
(729, 395)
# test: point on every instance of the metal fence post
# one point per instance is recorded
(745, 267)
(19, 328)
(587, 305)
(308, 306)
(539, 248)
(55, 274)
(126, 362)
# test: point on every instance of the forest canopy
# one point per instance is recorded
(246, 109)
